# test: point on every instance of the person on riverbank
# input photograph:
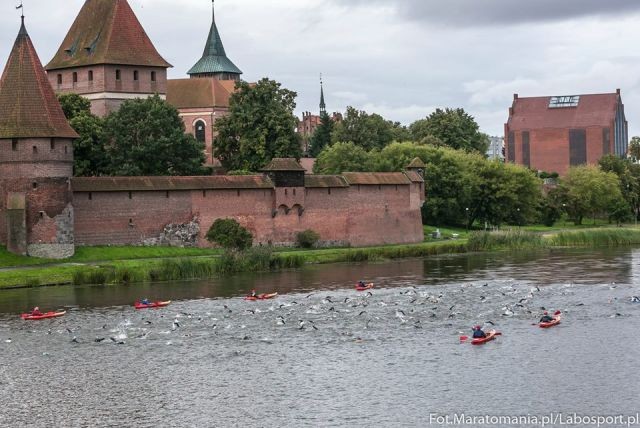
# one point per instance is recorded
(478, 333)
(546, 318)
(36, 312)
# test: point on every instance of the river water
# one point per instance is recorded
(322, 354)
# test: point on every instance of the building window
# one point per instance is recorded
(53, 144)
(59, 79)
(14, 144)
(34, 185)
(286, 192)
(201, 128)
(117, 74)
(75, 77)
(90, 196)
(135, 75)
(130, 195)
(167, 194)
(65, 149)
(153, 76)
(204, 193)
(35, 149)
(90, 75)
(329, 190)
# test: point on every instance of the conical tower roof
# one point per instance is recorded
(106, 32)
(28, 106)
(214, 59)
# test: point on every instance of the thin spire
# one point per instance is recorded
(323, 106)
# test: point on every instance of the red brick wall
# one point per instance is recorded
(550, 148)
(104, 81)
(209, 116)
(368, 215)
(36, 157)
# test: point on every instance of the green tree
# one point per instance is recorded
(587, 190)
(260, 126)
(454, 127)
(342, 157)
(89, 154)
(229, 234)
(369, 131)
(147, 137)
(634, 148)
(321, 137)
(629, 175)
(399, 132)
(74, 105)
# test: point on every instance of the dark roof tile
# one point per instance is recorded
(283, 164)
(376, 178)
(123, 184)
(325, 181)
(28, 106)
(106, 32)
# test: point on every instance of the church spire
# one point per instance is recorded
(323, 106)
(214, 62)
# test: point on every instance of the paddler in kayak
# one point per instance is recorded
(546, 318)
(253, 294)
(36, 312)
(361, 284)
(145, 302)
(478, 333)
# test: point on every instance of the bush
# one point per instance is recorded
(307, 239)
(229, 234)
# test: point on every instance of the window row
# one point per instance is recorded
(14, 146)
(136, 76)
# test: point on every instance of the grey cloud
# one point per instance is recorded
(490, 12)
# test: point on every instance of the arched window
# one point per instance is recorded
(200, 128)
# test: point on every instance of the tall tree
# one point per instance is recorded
(260, 126)
(321, 137)
(369, 131)
(147, 137)
(454, 127)
(90, 158)
(629, 175)
(587, 190)
(634, 149)
(342, 157)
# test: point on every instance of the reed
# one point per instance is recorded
(596, 238)
(513, 239)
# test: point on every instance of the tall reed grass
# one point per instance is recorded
(513, 239)
(596, 238)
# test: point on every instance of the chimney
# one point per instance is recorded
(515, 97)
(618, 91)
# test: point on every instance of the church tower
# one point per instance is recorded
(36, 159)
(214, 62)
(108, 58)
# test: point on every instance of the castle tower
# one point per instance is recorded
(214, 62)
(36, 159)
(288, 177)
(108, 58)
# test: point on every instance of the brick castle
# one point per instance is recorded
(107, 57)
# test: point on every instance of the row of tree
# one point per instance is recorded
(452, 128)
(467, 188)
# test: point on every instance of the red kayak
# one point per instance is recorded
(139, 305)
(261, 297)
(365, 288)
(490, 336)
(48, 315)
(550, 324)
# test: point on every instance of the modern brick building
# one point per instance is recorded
(552, 134)
(108, 58)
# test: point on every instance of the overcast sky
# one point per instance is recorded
(399, 58)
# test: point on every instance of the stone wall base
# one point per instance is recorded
(51, 251)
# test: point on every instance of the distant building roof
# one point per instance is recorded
(325, 181)
(106, 32)
(580, 111)
(199, 93)
(214, 59)
(283, 164)
(28, 105)
(123, 184)
(376, 178)
(416, 163)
